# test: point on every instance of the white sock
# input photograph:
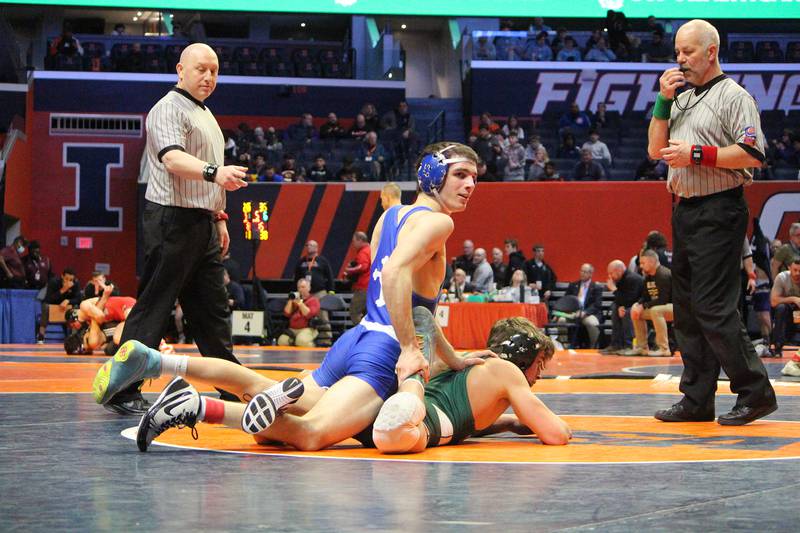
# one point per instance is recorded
(174, 365)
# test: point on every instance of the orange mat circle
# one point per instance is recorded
(597, 440)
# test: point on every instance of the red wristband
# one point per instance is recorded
(709, 156)
(222, 215)
(751, 275)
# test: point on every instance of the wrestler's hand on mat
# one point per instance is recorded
(410, 362)
(670, 80)
(231, 177)
(678, 154)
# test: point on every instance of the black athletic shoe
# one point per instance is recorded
(744, 414)
(177, 406)
(133, 407)
(265, 406)
(679, 413)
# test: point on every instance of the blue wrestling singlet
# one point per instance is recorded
(369, 351)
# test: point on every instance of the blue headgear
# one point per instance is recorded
(433, 169)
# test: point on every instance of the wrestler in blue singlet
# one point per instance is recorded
(370, 350)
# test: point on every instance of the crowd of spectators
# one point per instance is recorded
(616, 41)
(372, 147)
(122, 53)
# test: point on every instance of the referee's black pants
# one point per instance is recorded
(707, 237)
(181, 261)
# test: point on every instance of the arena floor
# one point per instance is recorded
(67, 464)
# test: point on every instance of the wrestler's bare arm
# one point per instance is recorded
(531, 411)
(505, 423)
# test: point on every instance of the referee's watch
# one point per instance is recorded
(210, 172)
(697, 154)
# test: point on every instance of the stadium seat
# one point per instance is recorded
(793, 52)
(768, 52)
(245, 53)
(280, 69)
(228, 68)
(250, 68)
(741, 52)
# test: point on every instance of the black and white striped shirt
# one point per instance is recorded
(720, 113)
(180, 122)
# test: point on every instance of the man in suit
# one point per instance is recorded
(590, 314)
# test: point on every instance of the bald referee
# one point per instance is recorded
(184, 221)
(711, 138)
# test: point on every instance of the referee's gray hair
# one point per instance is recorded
(706, 32)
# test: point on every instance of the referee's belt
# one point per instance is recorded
(736, 192)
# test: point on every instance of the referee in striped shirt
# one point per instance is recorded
(184, 221)
(711, 138)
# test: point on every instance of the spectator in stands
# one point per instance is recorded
(655, 305)
(574, 121)
(97, 284)
(259, 143)
(658, 50)
(257, 168)
(512, 126)
(485, 119)
(536, 167)
(538, 49)
(497, 162)
(589, 316)
(557, 44)
(516, 259)
(785, 301)
(135, 60)
(603, 119)
(359, 128)
(38, 269)
(652, 169)
(303, 131)
(11, 264)
(657, 242)
(466, 261)
(515, 159)
(538, 26)
(290, 171)
(787, 253)
(235, 292)
(358, 273)
(319, 170)
(617, 26)
(535, 147)
(231, 150)
(482, 276)
(316, 269)
(66, 44)
(540, 274)
(499, 267)
(63, 292)
(569, 52)
(373, 157)
(631, 53)
(274, 143)
(627, 288)
(271, 175)
(507, 48)
(568, 150)
(406, 147)
(550, 173)
(332, 129)
(597, 148)
(390, 195)
(371, 118)
(483, 143)
(301, 307)
(782, 148)
(119, 29)
(651, 25)
(592, 41)
(349, 171)
(484, 50)
(600, 52)
(587, 169)
(459, 285)
(398, 118)
(483, 172)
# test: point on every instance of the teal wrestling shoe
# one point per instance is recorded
(133, 362)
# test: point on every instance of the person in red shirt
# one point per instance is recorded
(301, 307)
(358, 272)
(13, 272)
(38, 269)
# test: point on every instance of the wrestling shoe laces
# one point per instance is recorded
(178, 406)
(264, 408)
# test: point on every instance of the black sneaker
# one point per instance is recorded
(134, 407)
(265, 406)
(177, 406)
(39, 338)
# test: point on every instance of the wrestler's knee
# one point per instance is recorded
(397, 440)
